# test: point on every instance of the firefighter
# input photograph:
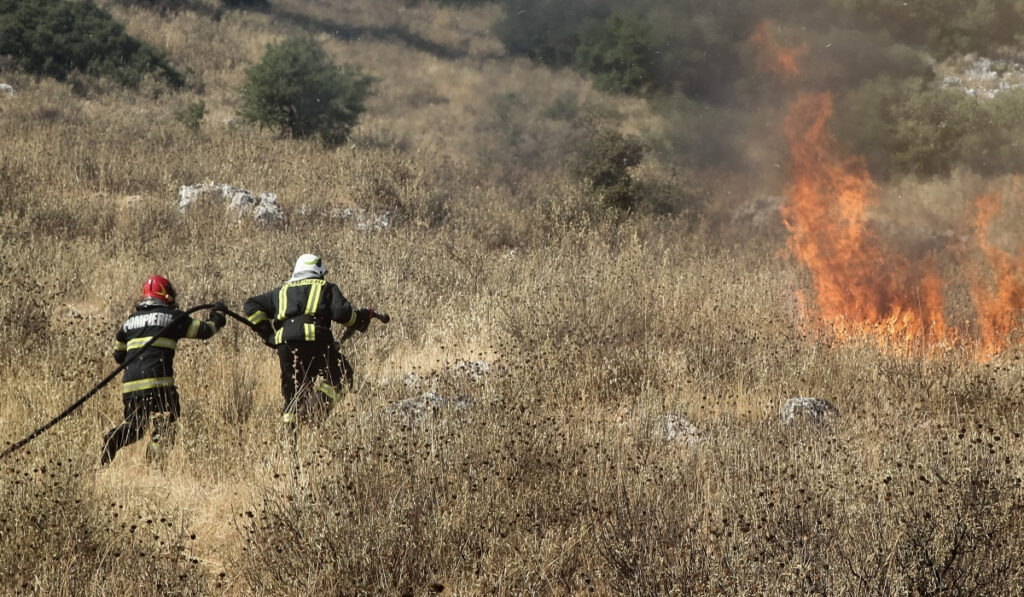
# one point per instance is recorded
(149, 390)
(295, 318)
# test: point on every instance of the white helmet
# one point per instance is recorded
(308, 266)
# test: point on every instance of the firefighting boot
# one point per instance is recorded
(162, 440)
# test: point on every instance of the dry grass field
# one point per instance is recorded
(561, 477)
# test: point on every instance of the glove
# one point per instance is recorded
(217, 318)
(363, 317)
(219, 306)
(266, 332)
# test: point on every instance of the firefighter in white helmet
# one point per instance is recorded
(295, 318)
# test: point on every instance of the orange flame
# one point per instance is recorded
(772, 57)
(998, 310)
(861, 288)
(864, 288)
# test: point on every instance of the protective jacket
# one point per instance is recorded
(299, 311)
(154, 368)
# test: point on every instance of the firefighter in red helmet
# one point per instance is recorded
(149, 390)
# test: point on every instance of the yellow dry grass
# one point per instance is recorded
(559, 478)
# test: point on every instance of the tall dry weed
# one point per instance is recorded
(556, 478)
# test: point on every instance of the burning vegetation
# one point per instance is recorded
(626, 436)
(864, 286)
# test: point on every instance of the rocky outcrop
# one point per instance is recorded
(813, 410)
(263, 209)
(673, 427)
(472, 371)
(361, 219)
(415, 409)
(980, 76)
(668, 427)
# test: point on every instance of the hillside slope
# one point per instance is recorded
(607, 385)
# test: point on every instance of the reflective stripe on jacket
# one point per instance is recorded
(301, 311)
(154, 368)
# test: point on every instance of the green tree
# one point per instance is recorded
(547, 31)
(298, 91)
(618, 52)
(864, 121)
(907, 127)
(997, 148)
(944, 27)
(55, 38)
(930, 127)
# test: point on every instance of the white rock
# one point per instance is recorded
(671, 427)
(267, 211)
(413, 410)
(815, 410)
(474, 370)
(263, 209)
(239, 200)
(363, 220)
(412, 380)
(5, 88)
(978, 76)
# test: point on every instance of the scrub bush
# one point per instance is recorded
(298, 91)
(55, 38)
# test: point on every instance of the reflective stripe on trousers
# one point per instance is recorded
(147, 384)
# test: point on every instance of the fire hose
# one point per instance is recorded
(383, 317)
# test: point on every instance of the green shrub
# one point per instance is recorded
(907, 127)
(929, 127)
(910, 128)
(996, 147)
(565, 107)
(213, 9)
(56, 38)
(864, 117)
(164, 6)
(455, 3)
(693, 60)
(698, 46)
(701, 134)
(605, 159)
(298, 91)
(547, 30)
(854, 56)
(944, 27)
(192, 115)
(618, 52)
(689, 46)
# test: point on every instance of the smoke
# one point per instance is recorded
(865, 285)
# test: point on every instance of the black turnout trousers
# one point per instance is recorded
(301, 364)
(138, 407)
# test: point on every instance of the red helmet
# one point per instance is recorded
(159, 287)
